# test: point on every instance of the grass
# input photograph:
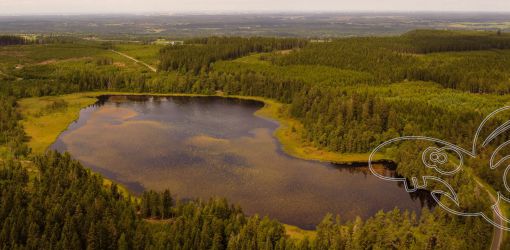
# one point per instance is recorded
(4, 152)
(107, 183)
(299, 234)
(43, 125)
(254, 58)
(289, 134)
(146, 53)
(43, 61)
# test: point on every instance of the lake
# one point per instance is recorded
(202, 147)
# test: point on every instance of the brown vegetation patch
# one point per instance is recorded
(74, 59)
(51, 61)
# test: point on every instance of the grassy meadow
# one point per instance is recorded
(44, 118)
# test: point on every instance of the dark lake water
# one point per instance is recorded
(201, 147)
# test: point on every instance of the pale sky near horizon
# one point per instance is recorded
(174, 6)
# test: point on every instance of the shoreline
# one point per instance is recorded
(288, 133)
(44, 129)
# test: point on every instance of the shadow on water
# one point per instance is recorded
(388, 169)
(200, 147)
(135, 188)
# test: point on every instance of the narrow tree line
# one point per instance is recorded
(12, 40)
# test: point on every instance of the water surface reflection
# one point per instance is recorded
(200, 147)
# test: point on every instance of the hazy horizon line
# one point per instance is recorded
(240, 12)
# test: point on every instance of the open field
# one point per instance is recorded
(45, 62)
(135, 27)
(145, 53)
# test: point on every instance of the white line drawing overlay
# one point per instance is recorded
(432, 157)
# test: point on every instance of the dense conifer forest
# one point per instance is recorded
(61, 205)
(349, 94)
(12, 40)
(204, 51)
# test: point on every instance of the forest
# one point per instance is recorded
(12, 40)
(64, 206)
(204, 51)
(349, 94)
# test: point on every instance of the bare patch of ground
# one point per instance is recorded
(119, 64)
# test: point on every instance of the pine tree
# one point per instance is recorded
(167, 205)
(122, 244)
(93, 238)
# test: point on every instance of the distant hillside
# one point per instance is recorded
(281, 25)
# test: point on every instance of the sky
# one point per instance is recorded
(12, 7)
